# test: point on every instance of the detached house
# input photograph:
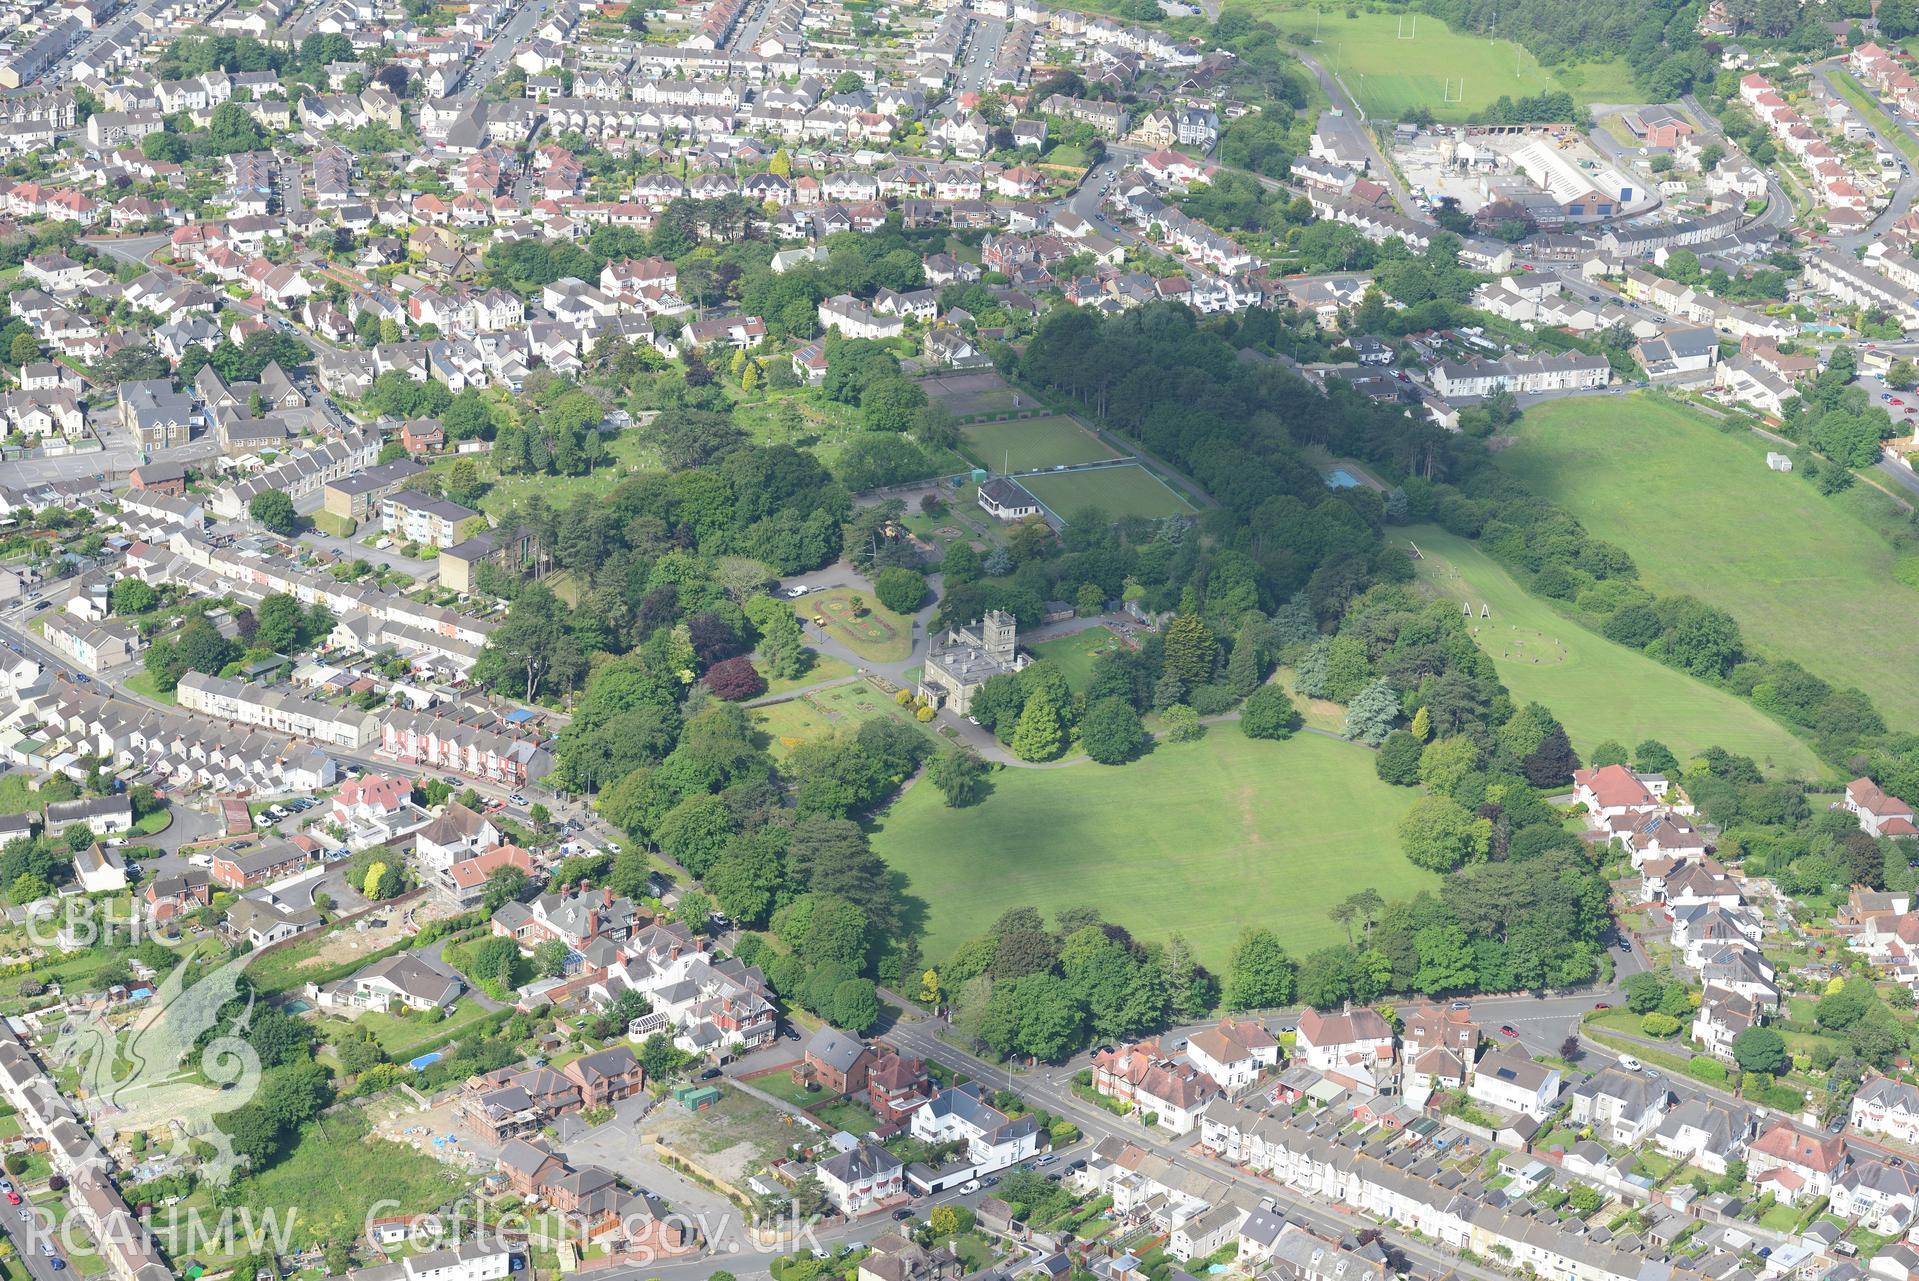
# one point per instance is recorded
(1507, 1079)
(1705, 1133)
(839, 1062)
(1612, 790)
(1621, 1106)
(1796, 1165)
(1879, 813)
(1234, 1053)
(862, 1179)
(993, 1140)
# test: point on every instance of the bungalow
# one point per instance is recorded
(1004, 498)
(244, 869)
(409, 980)
(99, 870)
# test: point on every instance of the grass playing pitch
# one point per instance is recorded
(1599, 690)
(1201, 838)
(1808, 577)
(1455, 75)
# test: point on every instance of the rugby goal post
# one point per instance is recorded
(1404, 34)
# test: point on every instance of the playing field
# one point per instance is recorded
(1392, 65)
(1118, 491)
(1030, 443)
(1598, 690)
(1808, 577)
(1204, 838)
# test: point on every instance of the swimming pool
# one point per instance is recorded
(1340, 478)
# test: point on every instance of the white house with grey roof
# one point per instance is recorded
(1509, 1080)
(1705, 1133)
(1887, 1107)
(862, 1178)
(993, 1140)
(408, 980)
(1620, 1106)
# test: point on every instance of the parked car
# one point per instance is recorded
(1628, 1062)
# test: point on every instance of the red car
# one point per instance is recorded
(1601, 1005)
(13, 1198)
(1507, 1029)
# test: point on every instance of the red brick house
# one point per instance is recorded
(895, 1085)
(840, 1063)
(606, 1077)
(244, 869)
(159, 478)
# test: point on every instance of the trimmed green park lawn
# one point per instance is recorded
(1075, 655)
(1392, 66)
(1598, 689)
(1202, 838)
(142, 684)
(1808, 577)
(813, 716)
(877, 634)
(823, 668)
(1129, 490)
(1032, 443)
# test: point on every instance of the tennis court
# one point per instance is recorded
(970, 395)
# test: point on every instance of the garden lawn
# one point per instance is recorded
(1075, 655)
(1598, 689)
(142, 684)
(1129, 490)
(1029, 444)
(824, 668)
(1391, 76)
(877, 634)
(1201, 838)
(402, 1037)
(1808, 577)
(827, 711)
